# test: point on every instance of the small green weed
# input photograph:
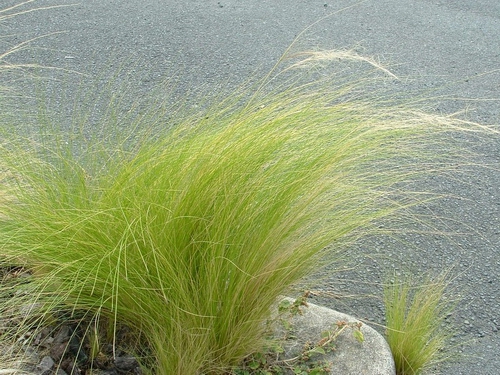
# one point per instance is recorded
(310, 360)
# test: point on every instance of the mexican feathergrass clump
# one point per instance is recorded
(415, 317)
(188, 236)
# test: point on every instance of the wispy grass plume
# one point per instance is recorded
(188, 236)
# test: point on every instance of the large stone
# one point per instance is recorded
(350, 357)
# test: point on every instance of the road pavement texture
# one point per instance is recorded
(440, 47)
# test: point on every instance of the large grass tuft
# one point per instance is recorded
(187, 237)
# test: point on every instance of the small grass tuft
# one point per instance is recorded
(415, 317)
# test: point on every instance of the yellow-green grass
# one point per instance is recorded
(189, 236)
(186, 227)
(415, 317)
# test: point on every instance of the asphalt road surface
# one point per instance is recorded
(442, 47)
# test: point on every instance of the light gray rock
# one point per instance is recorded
(45, 365)
(351, 357)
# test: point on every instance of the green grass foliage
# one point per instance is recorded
(189, 233)
(415, 317)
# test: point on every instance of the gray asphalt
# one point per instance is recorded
(440, 47)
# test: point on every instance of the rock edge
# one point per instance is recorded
(371, 357)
